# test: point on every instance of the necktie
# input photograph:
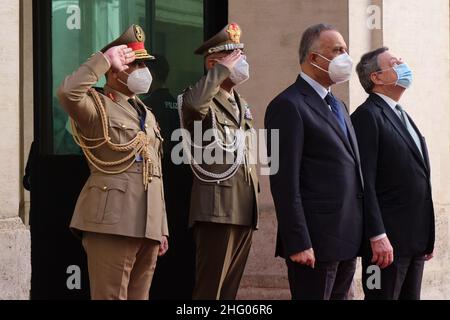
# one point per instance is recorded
(140, 111)
(136, 107)
(402, 115)
(237, 112)
(142, 118)
(336, 109)
(409, 127)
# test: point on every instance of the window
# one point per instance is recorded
(174, 28)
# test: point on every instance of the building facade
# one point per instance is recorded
(35, 57)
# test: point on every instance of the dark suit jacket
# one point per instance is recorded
(398, 198)
(318, 188)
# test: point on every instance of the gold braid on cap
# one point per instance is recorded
(226, 47)
(137, 146)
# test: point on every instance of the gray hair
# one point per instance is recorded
(367, 66)
(310, 37)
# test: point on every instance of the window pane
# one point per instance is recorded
(174, 28)
(178, 32)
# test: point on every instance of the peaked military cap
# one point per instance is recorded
(134, 38)
(228, 39)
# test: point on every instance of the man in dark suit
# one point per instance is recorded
(398, 203)
(318, 188)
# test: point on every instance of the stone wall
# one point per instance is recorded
(15, 268)
(418, 31)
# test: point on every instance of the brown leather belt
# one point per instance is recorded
(155, 169)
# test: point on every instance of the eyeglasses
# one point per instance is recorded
(393, 63)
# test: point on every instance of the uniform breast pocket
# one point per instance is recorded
(224, 120)
(226, 128)
(105, 200)
(122, 131)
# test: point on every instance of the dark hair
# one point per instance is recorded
(310, 37)
(367, 66)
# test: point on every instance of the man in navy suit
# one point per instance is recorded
(394, 157)
(318, 188)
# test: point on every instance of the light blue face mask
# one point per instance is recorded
(404, 75)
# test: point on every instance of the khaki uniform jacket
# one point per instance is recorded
(233, 201)
(115, 203)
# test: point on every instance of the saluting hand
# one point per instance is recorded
(230, 60)
(119, 57)
(163, 247)
(306, 257)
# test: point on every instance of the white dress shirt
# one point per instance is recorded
(391, 102)
(321, 90)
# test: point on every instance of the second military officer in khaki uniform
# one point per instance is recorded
(120, 213)
(224, 210)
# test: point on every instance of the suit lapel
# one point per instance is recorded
(400, 128)
(354, 143)
(352, 135)
(426, 155)
(223, 101)
(423, 144)
(319, 106)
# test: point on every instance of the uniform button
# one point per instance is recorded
(250, 170)
(151, 179)
(105, 188)
(146, 125)
(226, 122)
(124, 126)
(360, 196)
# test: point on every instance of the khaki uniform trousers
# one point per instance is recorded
(120, 268)
(221, 256)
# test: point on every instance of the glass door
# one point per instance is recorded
(82, 27)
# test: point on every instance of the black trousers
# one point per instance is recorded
(327, 281)
(402, 280)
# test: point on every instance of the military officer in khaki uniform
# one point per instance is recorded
(120, 213)
(224, 209)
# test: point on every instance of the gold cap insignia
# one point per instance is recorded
(140, 35)
(234, 31)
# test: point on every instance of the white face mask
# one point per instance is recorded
(240, 72)
(340, 69)
(139, 81)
